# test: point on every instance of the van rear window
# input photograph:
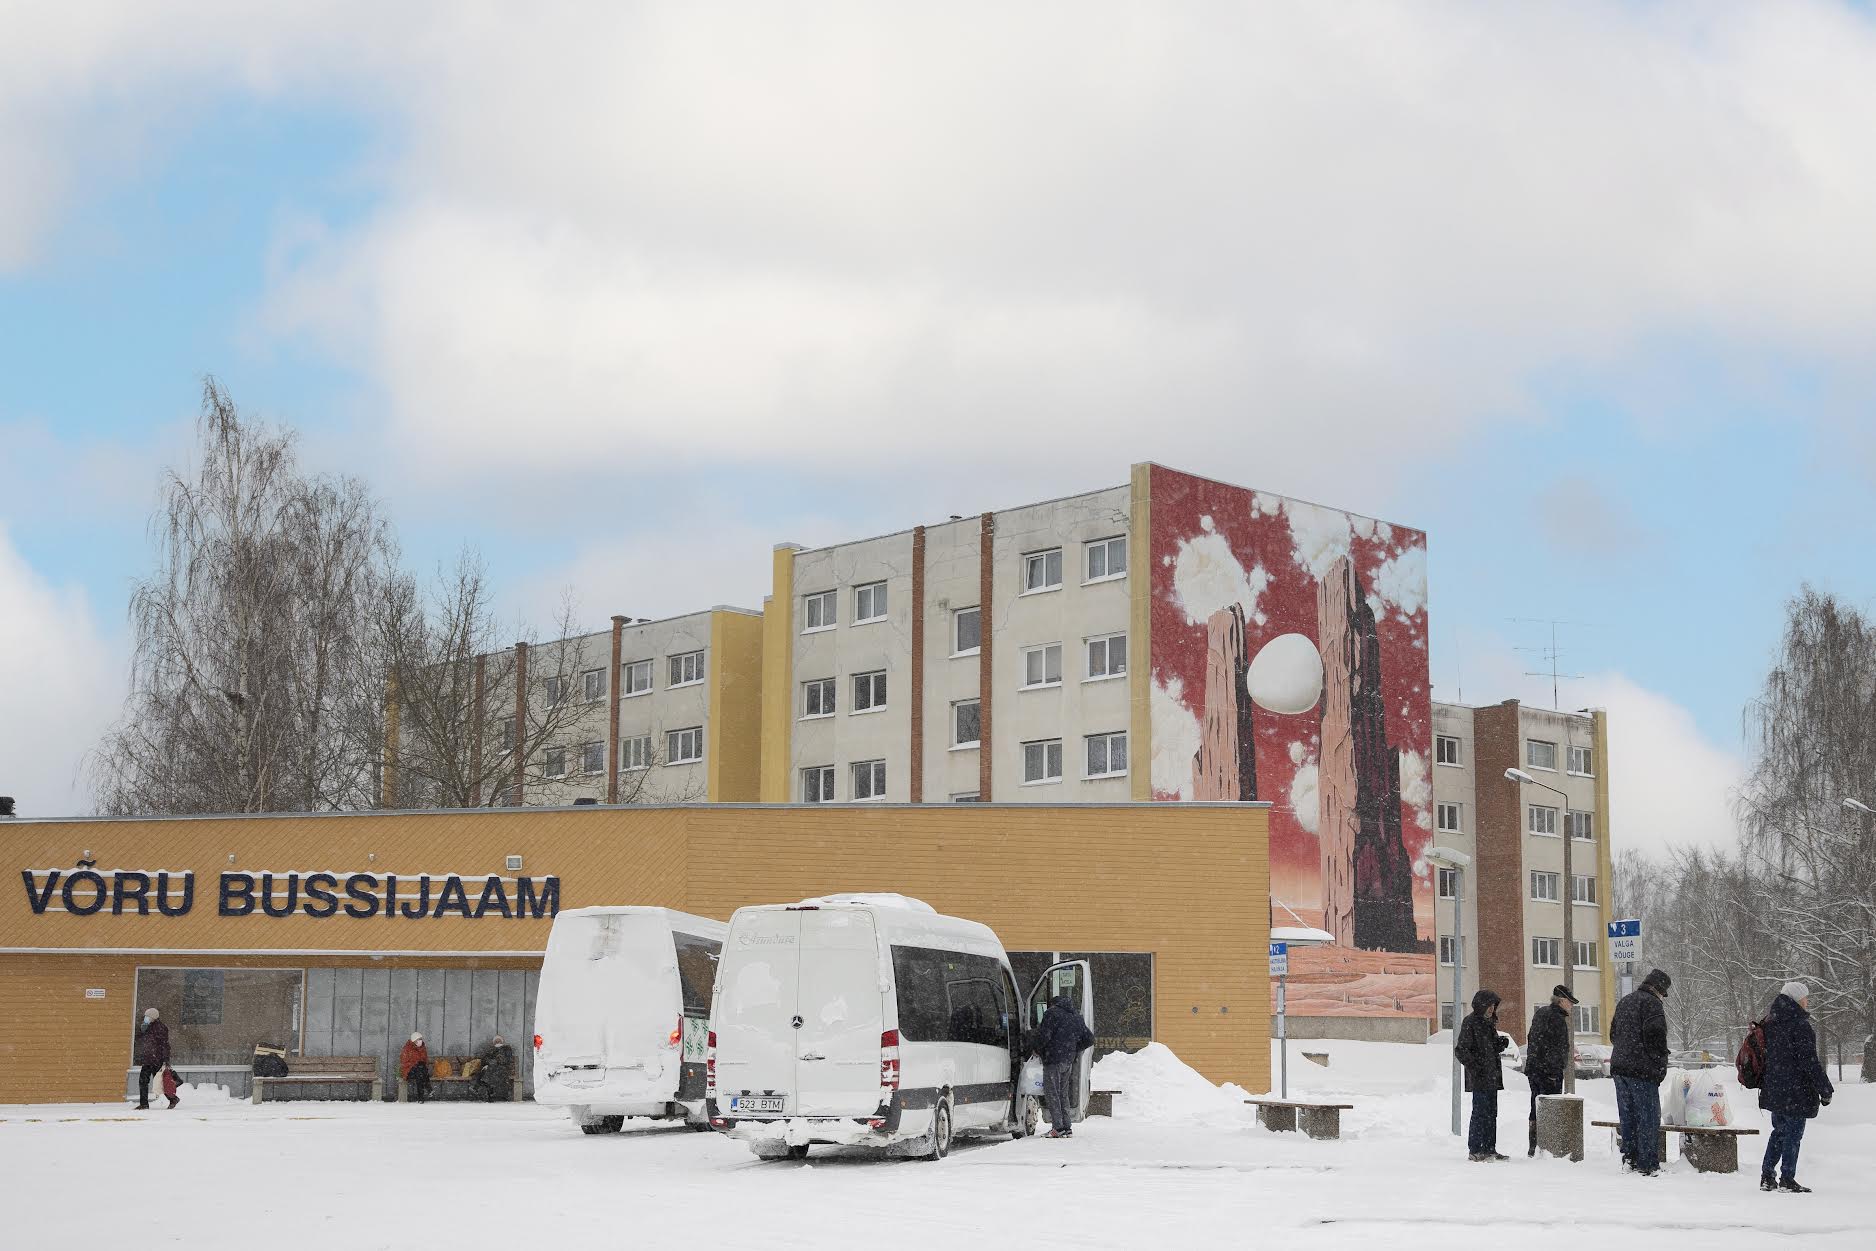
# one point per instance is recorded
(949, 996)
(697, 970)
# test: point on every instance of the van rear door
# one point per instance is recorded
(841, 1007)
(1075, 979)
(608, 998)
(756, 1014)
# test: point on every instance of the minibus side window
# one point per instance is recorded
(697, 970)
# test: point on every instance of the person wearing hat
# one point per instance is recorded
(1476, 1048)
(1796, 1084)
(1638, 1060)
(413, 1062)
(1547, 1048)
(152, 1055)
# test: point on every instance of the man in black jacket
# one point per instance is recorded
(1477, 1049)
(1795, 1086)
(1060, 1040)
(152, 1055)
(1548, 1046)
(1638, 1060)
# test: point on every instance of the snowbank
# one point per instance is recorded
(1156, 1085)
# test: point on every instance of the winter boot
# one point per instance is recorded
(1533, 1149)
(1767, 1182)
(1791, 1184)
(173, 1101)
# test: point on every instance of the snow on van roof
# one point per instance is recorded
(882, 899)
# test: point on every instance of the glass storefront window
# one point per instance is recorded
(216, 1016)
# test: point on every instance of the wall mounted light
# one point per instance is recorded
(514, 864)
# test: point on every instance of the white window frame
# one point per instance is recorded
(690, 664)
(1106, 547)
(1039, 561)
(1448, 945)
(1441, 810)
(957, 708)
(1588, 756)
(1440, 743)
(554, 763)
(508, 735)
(822, 604)
(593, 686)
(1042, 649)
(1590, 947)
(869, 603)
(1583, 890)
(557, 689)
(592, 757)
(1104, 643)
(957, 618)
(825, 692)
(1042, 748)
(1588, 1018)
(1530, 754)
(1532, 820)
(1545, 880)
(819, 777)
(1538, 949)
(689, 734)
(874, 700)
(1106, 739)
(1580, 822)
(636, 679)
(875, 781)
(635, 753)
(1445, 882)
(1447, 1007)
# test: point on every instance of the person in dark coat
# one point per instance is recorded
(413, 1064)
(1060, 1040)
(1477, 1048)
(152, 1055)
(1638, 1060)
(1548, 1046)
(496, 1078)
(1796, 1085)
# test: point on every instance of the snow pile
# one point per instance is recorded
(190, 1092)
(1155, 1085)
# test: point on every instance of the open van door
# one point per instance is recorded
(1074, 978)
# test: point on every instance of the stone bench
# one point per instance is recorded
(326, 1071)
(456, 1064)
(1710, 1149)
(1318, 1120)
(1101, 1102)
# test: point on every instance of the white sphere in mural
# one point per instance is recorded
(1286, 675)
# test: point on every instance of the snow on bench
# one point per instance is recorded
(327, 1070)
(1318, 1120)
(1709, 1148)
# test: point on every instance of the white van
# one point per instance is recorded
(870, 1020)
(622, 1016)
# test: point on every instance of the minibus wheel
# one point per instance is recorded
(941, 1129)
(799, 1151)
(1029, 1118)
(603, 1125)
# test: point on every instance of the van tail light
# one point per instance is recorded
(677, 1034)
(710, 1067)
(537, 1042)
(889, 1059)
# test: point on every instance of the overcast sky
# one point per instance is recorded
(625, 294)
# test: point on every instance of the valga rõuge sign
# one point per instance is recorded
(415, 897)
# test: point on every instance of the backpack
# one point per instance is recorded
(1751, 1058)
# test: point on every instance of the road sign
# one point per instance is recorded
(1279, 959)
(1625, 941)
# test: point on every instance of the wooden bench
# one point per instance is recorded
(1710, 1149)
(326, 1070)
(1318, 1120)
(455, 1075)
(1101, 1102)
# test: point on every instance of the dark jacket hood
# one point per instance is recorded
(1785, 1008)
(1484, 1000)
(1066, 1002)
(1657, 981)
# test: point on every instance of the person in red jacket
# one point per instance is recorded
(152, 1055)
(413, 1063)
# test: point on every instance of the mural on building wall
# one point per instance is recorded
(1290, 665)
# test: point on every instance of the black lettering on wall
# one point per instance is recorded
(97, 900)
(162, 895)
(361, 899)
(128, 885)
(320, 899)
(495, 895)
(527, 905)
(36, 897)
(423, 902)
(453, 898)
(237, 895)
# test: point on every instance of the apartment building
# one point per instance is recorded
(1512, 937)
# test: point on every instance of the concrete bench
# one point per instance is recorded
(455, 1075)
(1710, 1149)
(326, 1071)
(1318, 1120)
(1101, 1102)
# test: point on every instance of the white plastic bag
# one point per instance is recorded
(1674, 1097)
(1707, 1106)
(1031, 1083)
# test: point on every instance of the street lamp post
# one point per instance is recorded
(1568, 896)
(1455, 860)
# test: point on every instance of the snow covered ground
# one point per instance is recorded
(1181, 1164)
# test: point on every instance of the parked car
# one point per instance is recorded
(1592, 1059)
(1695, 1058)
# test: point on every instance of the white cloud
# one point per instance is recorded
(1176, 735)
(1208, 577)
(1669, 785)
(62, 686)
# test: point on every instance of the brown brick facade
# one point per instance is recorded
(1498, 875)
(986, 671)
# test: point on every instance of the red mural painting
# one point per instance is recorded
(1289, 664)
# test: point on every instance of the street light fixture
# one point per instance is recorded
(1456, 860)
(1568, 897)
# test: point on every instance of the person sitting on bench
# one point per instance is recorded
(496, 1078)
(413, 1063)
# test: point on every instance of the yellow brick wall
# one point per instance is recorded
(734, 752)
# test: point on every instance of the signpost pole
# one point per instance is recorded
(1280, 969)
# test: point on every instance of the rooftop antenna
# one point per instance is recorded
(1551, 656)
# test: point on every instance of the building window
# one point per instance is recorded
(508, 797)
(687, 669)
(635, 753)
(869, 602)
(1543, 820)
(593, 685)
(1042, 666)
(869, 779)
(637, 678)
(1042, 761)
(1447, 947)
(1107, 558)
(508, 735)
(817, 698)
(1586, 954)
(966, 723)
(556, 691)
(1449, 818)
(1540, 755)
(556, 762)
(966, 632)
(1042, 571)
(1583, 888)
(1107, 657)
(817, 785)
(818, 610)
(1446, 882)
(1544, 887)
(1446, 749)
(1107, 755)
(967, 797)
(1544, 953)
(1579, 761)
(1589, 1018)
(684, 746)
(592, 757)
(1582, 826)
(869, 691)
(201, 997)
(1446, 1014)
